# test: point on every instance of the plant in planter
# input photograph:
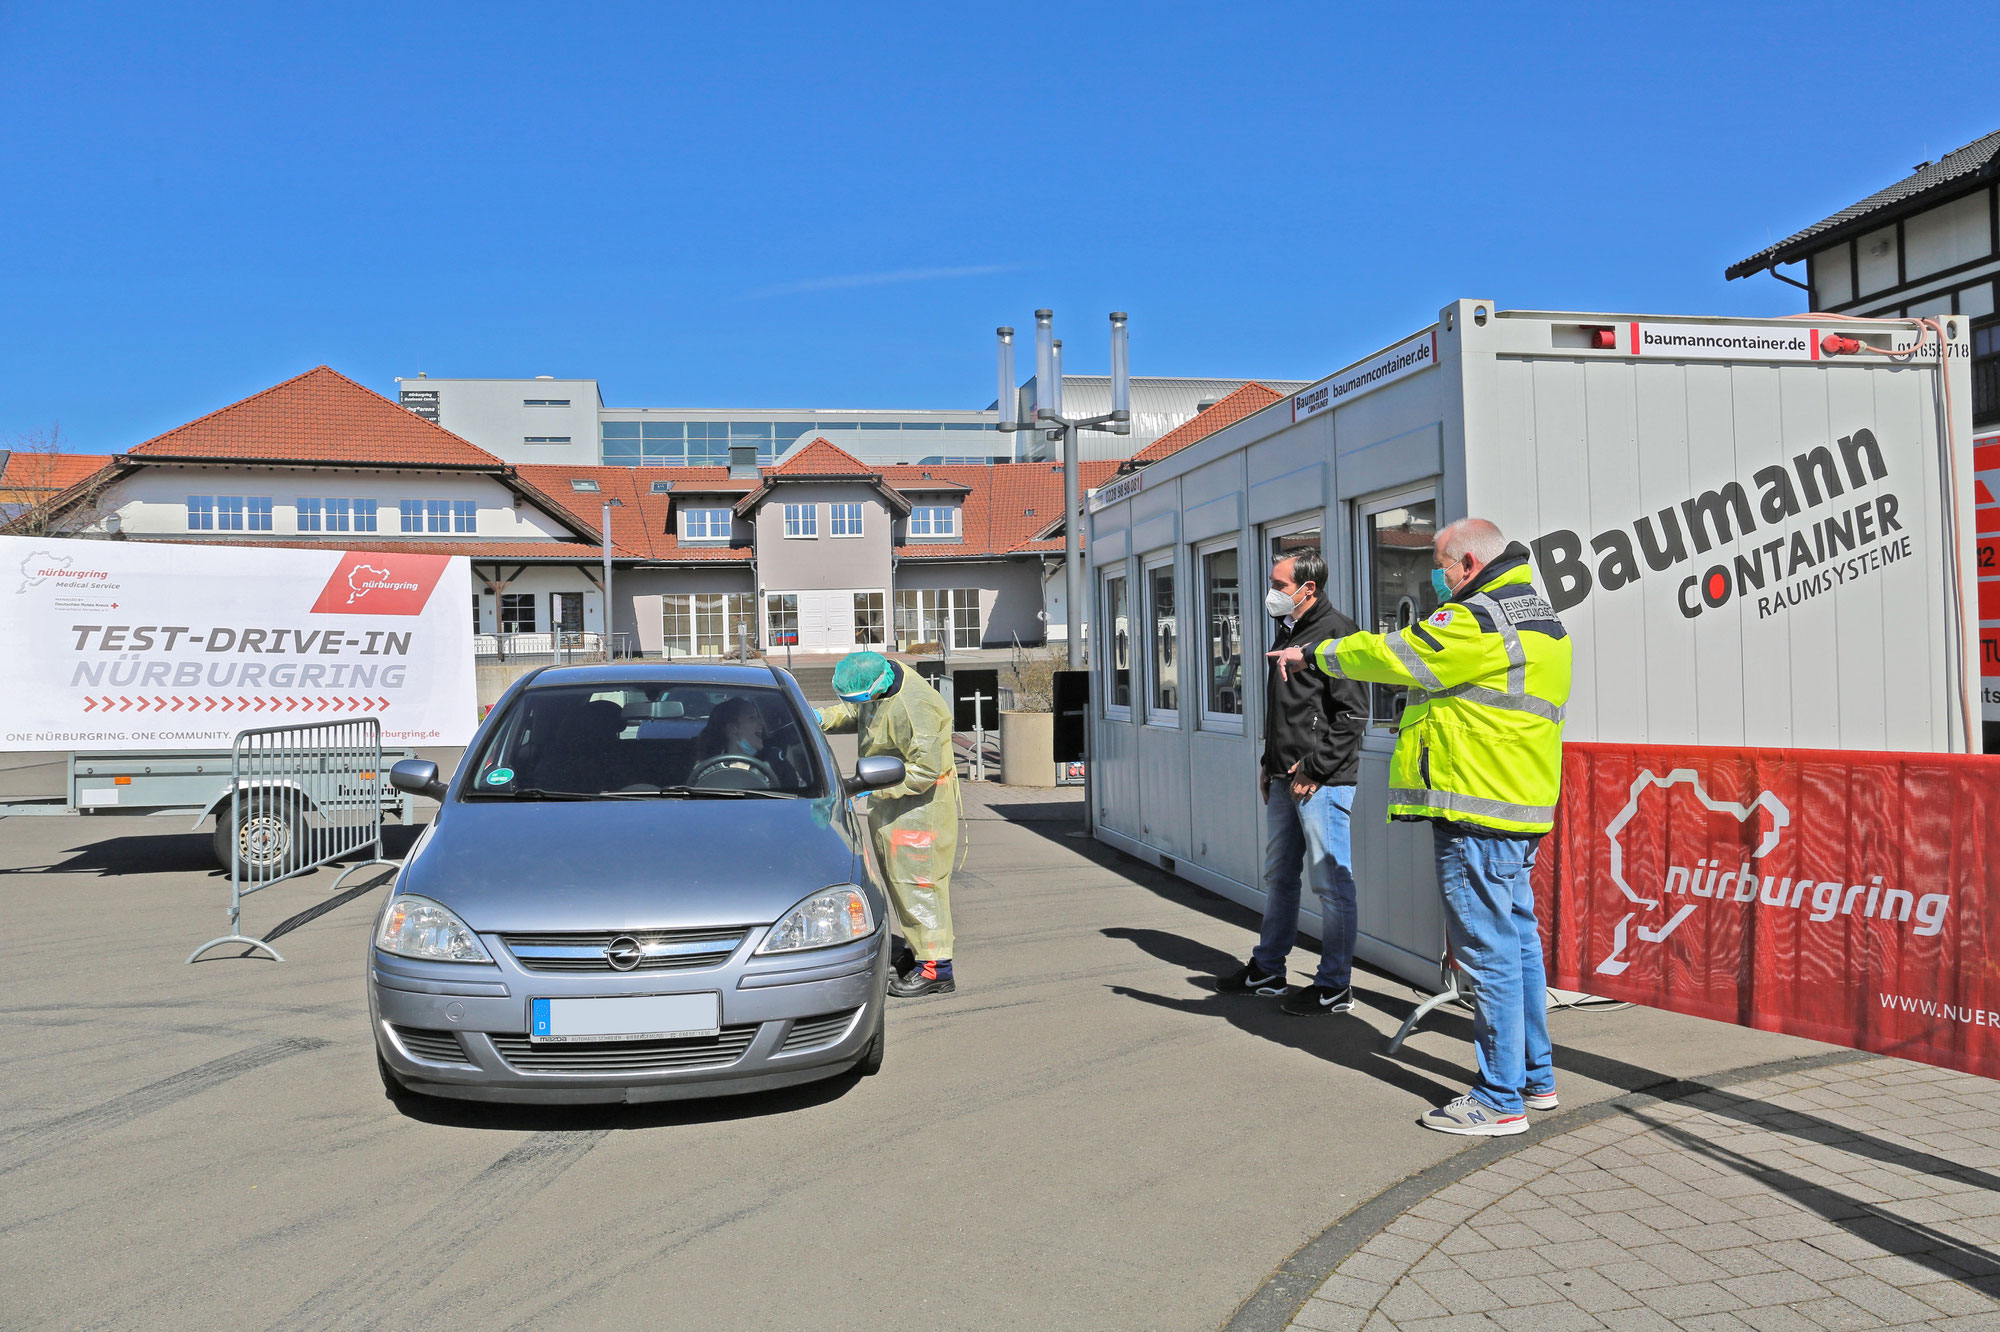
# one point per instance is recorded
(1027, 730)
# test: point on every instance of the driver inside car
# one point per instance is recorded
(735, 727)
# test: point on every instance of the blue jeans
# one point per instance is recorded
(1311, 834)
(1490, 920)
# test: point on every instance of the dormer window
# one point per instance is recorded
(933, 522)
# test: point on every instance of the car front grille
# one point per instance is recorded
(662, 950)
(825, 1029)
(626, 1056)
(439, 1047)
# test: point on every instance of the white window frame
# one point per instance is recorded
(1227, 723)
(1381, 735)
(201, 513)
(801, 522)
(309, 514)
(464, 516)
(932, 531)
(709, 516)
(1166, 719)
(836, 513)
(410, 514)
(1121, 571)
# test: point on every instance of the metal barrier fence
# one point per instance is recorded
(301, 796)
(562, 647)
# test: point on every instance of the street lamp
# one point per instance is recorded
(609, 505)
(1049, 417)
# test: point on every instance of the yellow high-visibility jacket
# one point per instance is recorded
(1489, 672)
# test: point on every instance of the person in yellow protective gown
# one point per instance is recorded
(914, 824)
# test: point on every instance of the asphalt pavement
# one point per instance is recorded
(1084, 1136)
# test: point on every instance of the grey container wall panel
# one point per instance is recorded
(1592, 445)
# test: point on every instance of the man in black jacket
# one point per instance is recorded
(1312, 733)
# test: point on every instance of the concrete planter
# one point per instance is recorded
(1028, 748)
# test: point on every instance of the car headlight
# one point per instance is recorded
(833, 916)
(429, 931)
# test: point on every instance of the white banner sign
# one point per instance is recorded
(1723, 342)
(1419, 353)
(140, 645)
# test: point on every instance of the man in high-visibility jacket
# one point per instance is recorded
(1479, 755)
(914, 824)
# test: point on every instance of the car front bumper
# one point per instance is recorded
(460, 1031)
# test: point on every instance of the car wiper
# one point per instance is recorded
(530, 793)
(697, 792)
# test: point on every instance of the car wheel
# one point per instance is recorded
(871, 1059)
(266, 837)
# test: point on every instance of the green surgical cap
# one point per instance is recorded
(861, 674)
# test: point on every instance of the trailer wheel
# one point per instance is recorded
(266, 838)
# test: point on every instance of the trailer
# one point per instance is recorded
(1757, 532)
(198, 784)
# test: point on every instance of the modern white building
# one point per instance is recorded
(546, 420)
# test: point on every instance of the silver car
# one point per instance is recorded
(644, 882)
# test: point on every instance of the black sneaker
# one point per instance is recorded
(925, 978)
(1251, 979)
(1306, 1000)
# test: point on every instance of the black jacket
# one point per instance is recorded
(1312, 719)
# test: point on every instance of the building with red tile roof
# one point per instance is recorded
(1252, 397)
(822, 551)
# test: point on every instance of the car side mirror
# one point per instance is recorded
(875, 772)
(418, 777)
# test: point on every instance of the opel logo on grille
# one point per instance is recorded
(624, 952)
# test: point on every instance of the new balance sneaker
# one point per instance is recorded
(1252, 978)
(1306, 1000)
(933, 977)
(1474, 1119)
(1535, 1100)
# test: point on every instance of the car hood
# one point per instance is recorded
(629, 864)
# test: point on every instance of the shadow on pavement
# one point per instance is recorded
(116, 856)
(621, 1118)
(1348, 1043)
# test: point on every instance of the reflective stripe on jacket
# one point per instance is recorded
(1481, 738)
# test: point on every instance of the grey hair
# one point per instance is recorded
(1472, 536)
(1308, 566)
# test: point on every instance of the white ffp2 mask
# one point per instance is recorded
(1277, 604)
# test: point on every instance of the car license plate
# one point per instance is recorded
(639, 1017)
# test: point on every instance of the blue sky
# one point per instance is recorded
(833, 205)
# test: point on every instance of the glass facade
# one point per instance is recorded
(928, 615)
(708, 624)
(642, 443)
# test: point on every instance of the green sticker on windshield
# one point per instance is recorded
(499, 776)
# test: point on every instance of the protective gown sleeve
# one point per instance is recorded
(838, 719)
(1440, 651)
(925, 744)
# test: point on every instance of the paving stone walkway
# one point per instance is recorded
(1858, 1195)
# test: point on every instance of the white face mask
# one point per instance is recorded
(1277, 604)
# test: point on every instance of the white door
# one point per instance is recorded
(812, 622)
(840, 622)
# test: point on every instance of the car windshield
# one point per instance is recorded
(650, 740)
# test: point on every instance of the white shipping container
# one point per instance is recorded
(1751, 542)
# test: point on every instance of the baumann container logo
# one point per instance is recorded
(1798, 561)
(376, 584)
